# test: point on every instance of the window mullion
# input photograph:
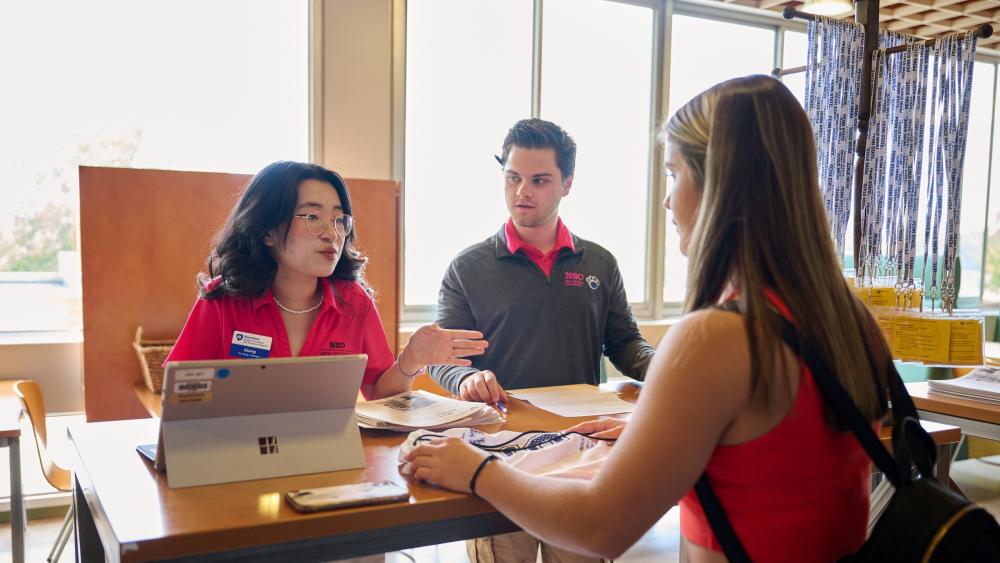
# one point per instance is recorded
(779, 47)
(658, 247)
(657, 239)
(536, 59)
(989, 188)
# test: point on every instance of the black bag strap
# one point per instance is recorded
(910, 441)
(908, 438)
(845, 410)
(717, 519)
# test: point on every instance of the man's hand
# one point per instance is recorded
(483, 387)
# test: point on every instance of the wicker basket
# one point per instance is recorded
(152, 354)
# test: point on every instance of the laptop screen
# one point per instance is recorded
(222, 388)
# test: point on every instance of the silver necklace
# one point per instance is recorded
(298, 312)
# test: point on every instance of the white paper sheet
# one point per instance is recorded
(982, 383)
(421, 409)
(574, 400)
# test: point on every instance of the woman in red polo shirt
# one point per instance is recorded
(723, 395)
(284, 279)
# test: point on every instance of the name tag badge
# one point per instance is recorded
(247, 345)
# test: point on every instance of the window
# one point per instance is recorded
(468, 79)
(592, 66)
(716, 61)
(794, 54)
(579, 70)
(975, 183)
(981, 259)
(98, 85)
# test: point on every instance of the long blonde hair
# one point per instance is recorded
(761, 226)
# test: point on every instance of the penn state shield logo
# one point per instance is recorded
(593, 282)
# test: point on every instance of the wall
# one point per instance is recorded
(56, 366)
(357, 88)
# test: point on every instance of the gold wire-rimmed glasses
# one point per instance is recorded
(316, 224)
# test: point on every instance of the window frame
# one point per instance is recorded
(652, 306)
(644, 308)
(971, 301)
(727, 13)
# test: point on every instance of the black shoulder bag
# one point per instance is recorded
(924, 520)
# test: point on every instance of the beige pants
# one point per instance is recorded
(520, 547)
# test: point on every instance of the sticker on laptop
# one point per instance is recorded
(185, 398)
(197, 374)
(188, 387)
(247, 345)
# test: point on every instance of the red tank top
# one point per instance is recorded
(798, 493)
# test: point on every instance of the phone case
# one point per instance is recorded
(343, 496)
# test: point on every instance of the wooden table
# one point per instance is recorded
(150, 401)
(126, 512)
(975, 418)
(10, 438)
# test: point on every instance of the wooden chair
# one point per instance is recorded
(34, 404)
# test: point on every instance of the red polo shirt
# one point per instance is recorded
(544, 261)
(348, 326)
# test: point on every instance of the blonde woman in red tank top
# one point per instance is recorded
(723, 394)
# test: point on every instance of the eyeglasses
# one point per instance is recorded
(316, 224)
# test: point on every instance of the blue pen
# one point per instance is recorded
(502, 407)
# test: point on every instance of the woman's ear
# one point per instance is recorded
(270, 238)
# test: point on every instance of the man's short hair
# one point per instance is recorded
(540, 134)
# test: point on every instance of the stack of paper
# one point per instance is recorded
(981, 384)
(574, 400)
(419, 409)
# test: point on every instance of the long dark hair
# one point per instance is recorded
(240, 256)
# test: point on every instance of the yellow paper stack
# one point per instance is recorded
(923, 336)
(933, 338)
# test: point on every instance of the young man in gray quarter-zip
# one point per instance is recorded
(549, 303)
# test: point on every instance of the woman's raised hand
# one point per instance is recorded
(433, 345)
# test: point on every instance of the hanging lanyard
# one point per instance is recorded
(922, 64)
(904, 172)
(895, 154)
(873, 182)
(917, 61)
(933, 183)
(947, 136)
(834, 50)
(960, 53)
